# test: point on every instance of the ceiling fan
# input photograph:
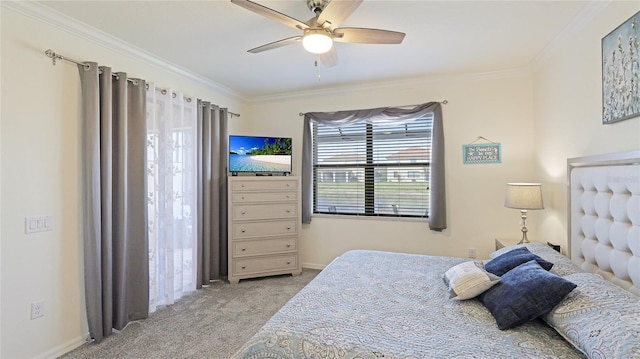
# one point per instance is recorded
(322, 30)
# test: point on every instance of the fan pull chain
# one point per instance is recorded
(316, 65)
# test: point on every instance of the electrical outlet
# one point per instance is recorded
(471, 253)
(37, 309)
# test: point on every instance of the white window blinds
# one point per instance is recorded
(372, 170)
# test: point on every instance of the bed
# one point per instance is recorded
(371, 304)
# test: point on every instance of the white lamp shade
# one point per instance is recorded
(317, 41)
(524, 196)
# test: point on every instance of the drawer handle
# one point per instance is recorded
(243, 249)
(288, 196)
(243, 267)
(288, 262)
(243, 230)
(242, 197)
(288, 245)
(242, 185)
(288, 211)
(242, 212)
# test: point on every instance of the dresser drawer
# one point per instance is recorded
(264, 185)
(243, 197)
(263, 226)
(263, 246)
(264, 211)
(263, 229)
(265, 264)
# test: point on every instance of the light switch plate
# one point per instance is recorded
(35, 224)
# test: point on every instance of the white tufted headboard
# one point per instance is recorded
(604, 216)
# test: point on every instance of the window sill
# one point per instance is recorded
(370, 218)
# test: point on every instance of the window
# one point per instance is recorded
(372, 170)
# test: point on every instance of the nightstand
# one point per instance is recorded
(556, 247)
(502, 242)
(505, 242)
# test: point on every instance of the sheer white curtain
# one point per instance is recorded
(172, 203)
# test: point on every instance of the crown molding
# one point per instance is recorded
(584, 17)
(398, 84)
(52, 17)
(588, 13)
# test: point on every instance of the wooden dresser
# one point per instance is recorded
(264, 217)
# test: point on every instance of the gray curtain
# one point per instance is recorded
(382, 115)
(116, 255)
(212, 193)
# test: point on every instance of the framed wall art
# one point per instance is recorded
(621, 72)
(481, 153)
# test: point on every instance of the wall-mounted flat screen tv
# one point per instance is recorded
(259, 154)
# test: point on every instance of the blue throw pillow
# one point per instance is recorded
(523, 294)
(507, 261)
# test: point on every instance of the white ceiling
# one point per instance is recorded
(211, 39)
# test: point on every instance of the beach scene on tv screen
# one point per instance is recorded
(259, 154)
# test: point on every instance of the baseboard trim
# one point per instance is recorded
(313, 266)
(64, 348)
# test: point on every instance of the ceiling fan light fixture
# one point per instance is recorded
(317, 41)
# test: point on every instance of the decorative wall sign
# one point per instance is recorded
(481, 153)
(621, 72)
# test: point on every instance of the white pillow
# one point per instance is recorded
(469, 279)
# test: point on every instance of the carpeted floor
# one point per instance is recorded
(210, 323)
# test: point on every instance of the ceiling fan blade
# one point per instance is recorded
(329, 58)
(275, 44)
(337, 11)
(367, 36)
(271, 14)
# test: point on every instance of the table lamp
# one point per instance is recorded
(524, 196)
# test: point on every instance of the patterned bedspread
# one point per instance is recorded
(369, 304)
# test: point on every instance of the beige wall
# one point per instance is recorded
(539, 119)
(568, 114)
(40, 166)
(496, 106)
